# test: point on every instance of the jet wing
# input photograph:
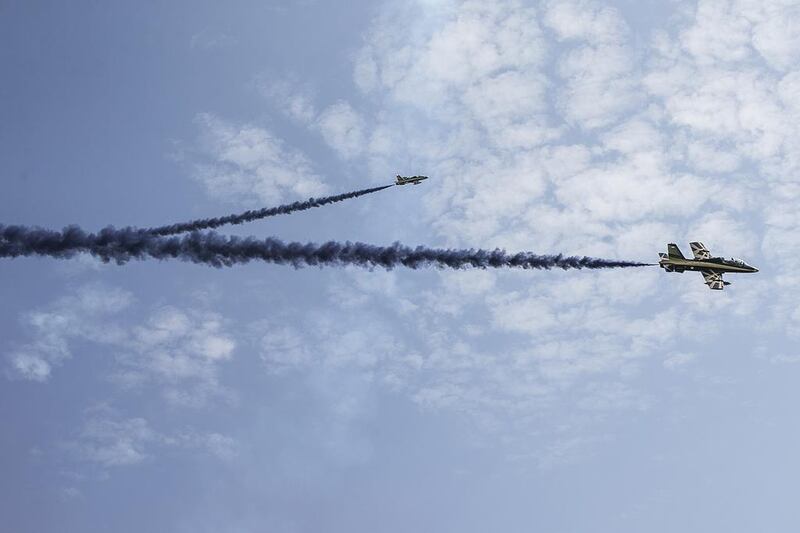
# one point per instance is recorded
(713, 279)
(700, 251)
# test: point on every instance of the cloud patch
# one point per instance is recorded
(109, 440)
(247, 163)
(557, 127)
(179, 351)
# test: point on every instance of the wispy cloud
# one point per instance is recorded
(290, 97)
(56, 325)
(555, 127)
(247, 163)
(177, 350)
(109, 440)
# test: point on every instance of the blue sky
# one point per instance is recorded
(163, 396)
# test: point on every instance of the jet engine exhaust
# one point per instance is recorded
(210, 248)
(257, 214)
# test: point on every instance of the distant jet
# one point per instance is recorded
(712, 268)
(402, 180)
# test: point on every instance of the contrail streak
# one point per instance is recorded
(249, 216)
(123, 245)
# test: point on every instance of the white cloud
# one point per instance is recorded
(726, 81)
(284, 348)
(726, 31)
(30, 366)
(706, 157)
(777, 34)
(325, 342)
(343, 129)
(598, 70)
(721, 33)
(70, 493)
(563, 355)
(577, 20)
(554, 128)
(289, 97)
(69, 318)
(248, 163)
(109, 440)
(116, 443)
(220, 445)
(484, 126)
(467, 62)
(180, 351)
(721, 231)
(679, 360)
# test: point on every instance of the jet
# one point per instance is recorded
(402, 180)
(712, 268)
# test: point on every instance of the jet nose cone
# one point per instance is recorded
(754, 269)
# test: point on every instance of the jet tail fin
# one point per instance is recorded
(674, 252)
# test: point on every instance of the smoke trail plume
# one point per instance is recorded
(249, 216)
(123, 245)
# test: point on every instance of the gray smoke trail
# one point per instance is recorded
(122, 245)
(249, 216)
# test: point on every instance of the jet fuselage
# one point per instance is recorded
(711, 268)
(716, 264)
(403, 180)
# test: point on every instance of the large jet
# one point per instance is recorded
(403, 180)
(712, 268)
